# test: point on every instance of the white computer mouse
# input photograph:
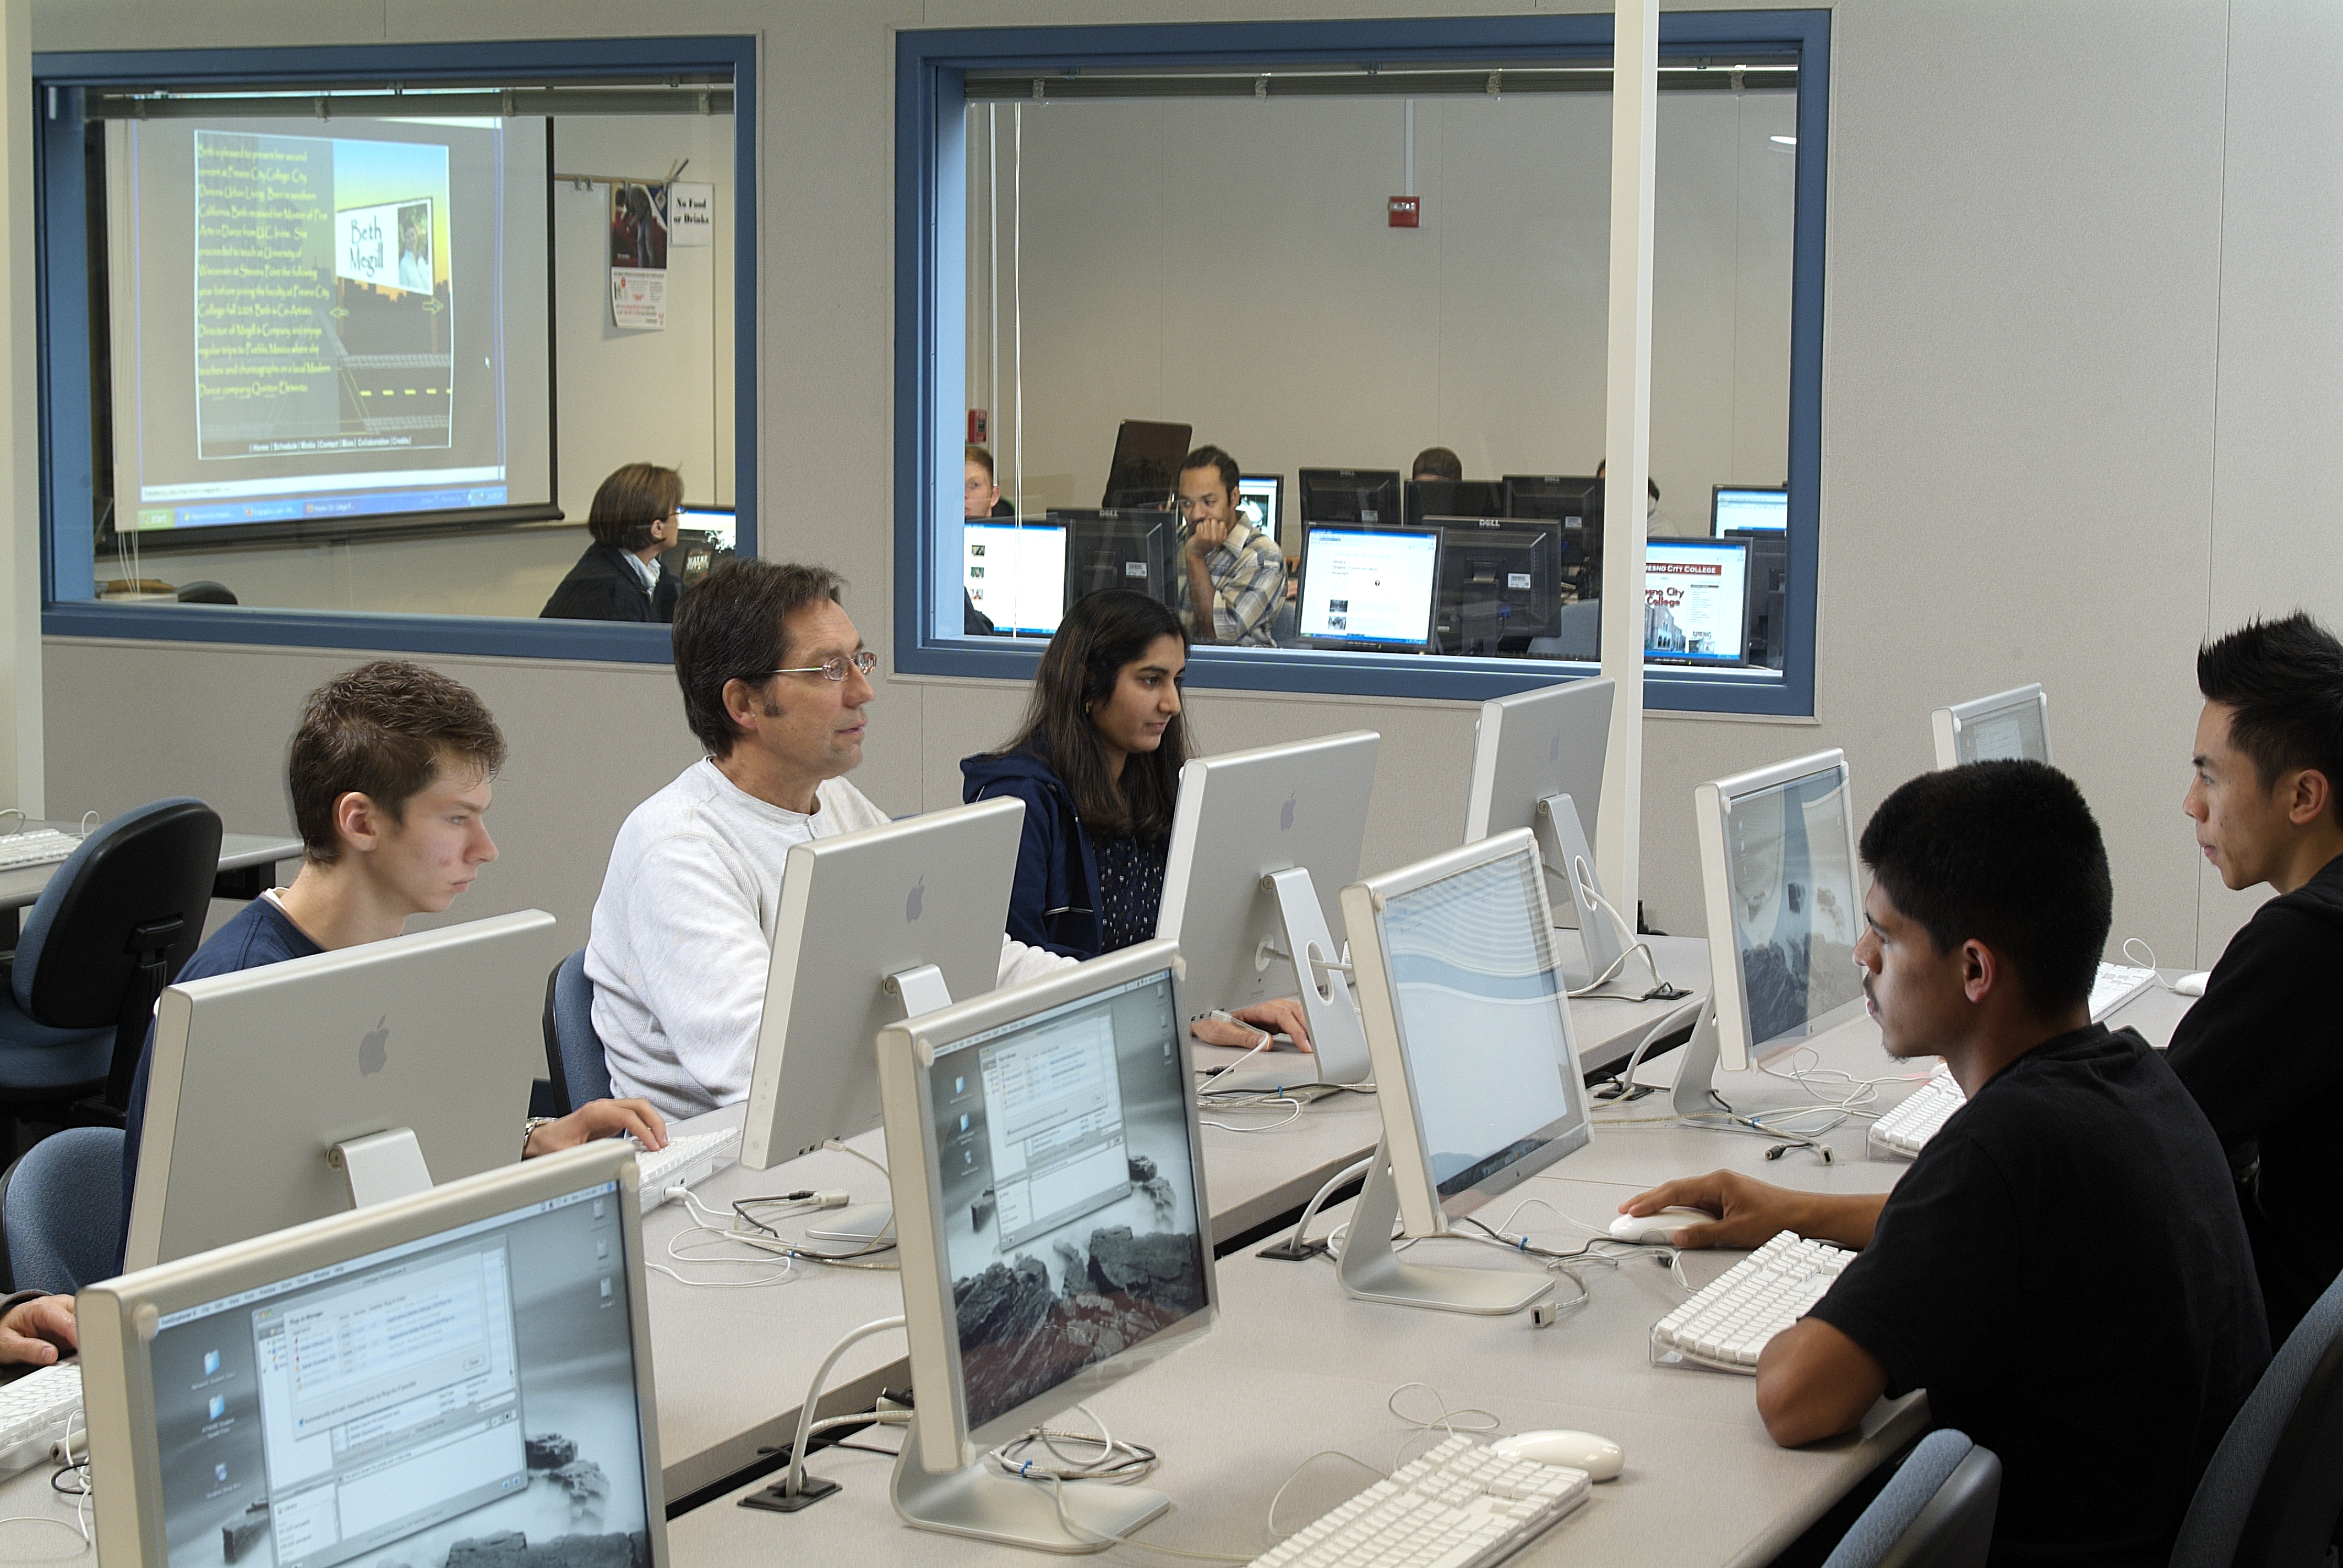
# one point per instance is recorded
(1598, 1456)
(2192, 985)
(1660, 1229)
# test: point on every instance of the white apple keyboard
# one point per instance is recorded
(2115, 985)
(685, 1161)
(36, 846)
(1460, 1506)
(1726, 1324)
(33, 1413)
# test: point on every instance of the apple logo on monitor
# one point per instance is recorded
(1285, 815)
(1554, 748)
(374, 1050)
(912, 900)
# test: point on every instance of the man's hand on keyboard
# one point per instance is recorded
(1750, 1212)
(600, 1118)
(33, 1333)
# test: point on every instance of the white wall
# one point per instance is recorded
(2078, 405)
(1227, 263)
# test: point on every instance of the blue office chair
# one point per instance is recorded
(2273, 1493)
(61, 1211)
(111, 930)
(573, 1051)
(1935, 1512)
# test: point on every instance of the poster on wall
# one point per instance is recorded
(638, 241)
(690, 214)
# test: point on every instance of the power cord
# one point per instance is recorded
(1119, 1463)
(1582, 879)
(798, 1489)
(79, 1491)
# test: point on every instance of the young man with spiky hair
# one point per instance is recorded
(2262, 1050)
(2060, 1268)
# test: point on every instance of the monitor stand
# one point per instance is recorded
(1338, 1040)
(1371, 1270)
(1695, 1091)
(979, 1500)
(1562, 842)
(919, 990)
(381, 1166)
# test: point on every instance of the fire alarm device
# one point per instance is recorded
(1405, 212)
(979, 427)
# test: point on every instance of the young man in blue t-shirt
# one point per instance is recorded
(390, 773)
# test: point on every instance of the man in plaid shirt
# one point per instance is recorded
(1232, 575)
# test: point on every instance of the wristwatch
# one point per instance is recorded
(529, 1131)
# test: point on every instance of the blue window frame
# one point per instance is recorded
(60, 198)
(930, 208)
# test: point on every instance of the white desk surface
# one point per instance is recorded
(27, 1494)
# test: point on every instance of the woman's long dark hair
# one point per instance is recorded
(1101, 633)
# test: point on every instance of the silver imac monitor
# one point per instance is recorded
(2008, 726)
(460, 1376)
(1262, 843)
(1785, 910)
(289, 1092)
(1476, 1067)
(1537, 763)
(874, 926)
(1043, 1150)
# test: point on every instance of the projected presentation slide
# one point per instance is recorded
(1796, 908)
(1369, 585)
(327, 326)
(1695, 600)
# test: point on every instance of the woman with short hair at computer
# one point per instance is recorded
(635, 516)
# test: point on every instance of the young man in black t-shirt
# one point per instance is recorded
(2061, 1268)
(2262, 1050)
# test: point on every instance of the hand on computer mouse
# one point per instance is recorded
(1282, 1016)
(599, 1119)
(1748, 1213)
(36, 1332)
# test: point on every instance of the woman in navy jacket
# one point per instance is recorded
(635, 516)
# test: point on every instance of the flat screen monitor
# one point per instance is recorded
(716, 524)
(1056, 1237)
(1533, 751)
(1016, 574)
(1748, 509)
(1260, 501)
(428, 1381)
(1784, 906)
(1369, 496)
(1767, 632)
(437, 1034)
(1146, 465)
(907, 916)
(2008, 725)
(1243, 822)
(1561, 497)
(1369, 588)
(1476, 1066)
(1454, 498)
(1499, 582)
(1126, 549)
(1695, 600)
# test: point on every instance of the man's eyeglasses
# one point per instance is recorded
(834, 667)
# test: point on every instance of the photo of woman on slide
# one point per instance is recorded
(415, 247)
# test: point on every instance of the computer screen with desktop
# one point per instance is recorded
(716, 524)
(1748, 508)
(1537, 765)
(1369, 588)
(1500, 583)
(1135, 549)
(1044, 1151)
(1015, 574)
(1476, 1066)
(1695, 601)
(436, 1380)
(1261, 502)
(2008, 725)
(1368, 496)
(384, 1067)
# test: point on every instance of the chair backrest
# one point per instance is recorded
(137, 888)
(1935, 1512)
(61, 1211)
(2274, 1486)
(573, 1051)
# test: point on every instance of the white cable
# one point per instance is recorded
(1296, 1475)
(1636, 944)
(844, 1148)
(2145, 948)
(1206, 1087)
(1292, 1115)
(1309, 1210)
(795, 1484)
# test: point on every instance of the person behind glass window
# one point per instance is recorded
(635, 516)
(1231, 578)
(979, 497)
(1438, 463)
(1655, 525)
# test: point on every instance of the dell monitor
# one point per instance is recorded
(1476, 1067)
(1146, 466)
(2008, 725)
(1363, 496)
(382, 1068)
(1748, 509)
(1454, 499)
(1260, 501)
(1767, 634)
(874, 926)
(1785, 910)
(463, 1375)
(1139, 550)
(1573, 501)
(1015, 574)
(1500, 583)
(1368, 590)
(1044, 1155)
(1695, 601)
(1537, 764)
(1262, 841)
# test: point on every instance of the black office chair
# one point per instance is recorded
(112, 928)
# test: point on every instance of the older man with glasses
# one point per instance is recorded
(776, 686)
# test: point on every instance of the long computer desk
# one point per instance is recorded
(247, 864)
(1295, 1367)
(734, 1358)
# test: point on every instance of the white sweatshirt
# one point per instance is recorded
(683, 934)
